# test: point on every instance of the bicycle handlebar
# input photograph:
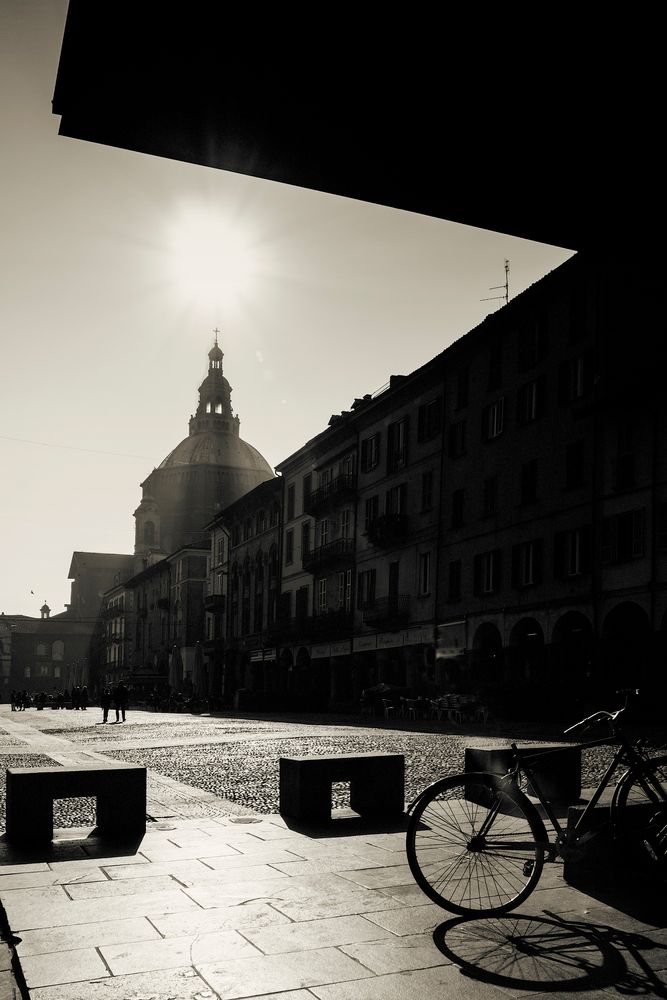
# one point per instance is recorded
(603, 716)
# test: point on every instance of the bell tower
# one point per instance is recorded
(214, 412)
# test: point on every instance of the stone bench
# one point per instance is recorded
(120, 790)
(558, 775)
(377, 784)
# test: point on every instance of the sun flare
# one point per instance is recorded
(212, 258)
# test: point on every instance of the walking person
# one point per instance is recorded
(120, 700)
(84, 698)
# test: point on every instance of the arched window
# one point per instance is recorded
(58, 650)
(40, 649)
(218, 407)
(149, 533)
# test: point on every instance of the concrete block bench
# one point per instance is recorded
(377, 784)
(558, 775)
(120, 790)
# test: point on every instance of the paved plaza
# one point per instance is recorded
(223, 898)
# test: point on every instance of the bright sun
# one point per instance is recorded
(211, 257)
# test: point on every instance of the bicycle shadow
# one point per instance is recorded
(552, 954)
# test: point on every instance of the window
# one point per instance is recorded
(370, 453)
(529, 482)
(345, 590)
(366, 589)
(429, 419)
(220, 549)
(427, 490)
(346, 523)
(324, 531)
(371, 511)
(424, 582)
(530, 400)
(396, 499)
(261, 521)
(301, 602)
(307, 488)
(457, 508)
(397, 445)
(457, 439)
(321, 596)
(305, 538)
(291, 491)
(487, 572)
(490, 496)
(527, 563)
(574, 464)
(40, 649)
(575, 377)
(289, 547)
(236, 535)
(392, 588)
(26, 672)
(58, 650)
(149, 533)
(275, 515)
(454, 588)
(492, 419)
(572, 552)
(247, 529)
(346, 466)
(462, 388)
(623, 536)
(532, 345)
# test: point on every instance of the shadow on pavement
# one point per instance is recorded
(345, 823)
(68, 845)
(552, 954)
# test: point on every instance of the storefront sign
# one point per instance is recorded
(418, 636)
(364, 642)
(389, 640)
(319, 652)
(341, 648)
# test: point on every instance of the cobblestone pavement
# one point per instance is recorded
(235, 758)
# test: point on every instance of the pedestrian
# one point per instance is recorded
(76, 697)
(105, 702)
(84, 698)
(13, 700)
(120, 700)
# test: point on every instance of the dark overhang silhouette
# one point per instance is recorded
(543, 137)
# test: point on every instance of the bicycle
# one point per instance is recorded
(476, 844)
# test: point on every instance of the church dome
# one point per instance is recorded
(213, 447)
(211, 468)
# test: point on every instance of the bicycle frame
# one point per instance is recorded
(626, 754)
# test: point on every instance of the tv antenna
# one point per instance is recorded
(505, 287)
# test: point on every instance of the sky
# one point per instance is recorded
(115, 268)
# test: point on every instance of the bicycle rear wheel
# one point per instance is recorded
(642, 809)
(475, 845)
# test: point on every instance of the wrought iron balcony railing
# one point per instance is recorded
(394, 610)
(341, 550)
(339, 489)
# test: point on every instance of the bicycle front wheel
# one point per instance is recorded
(475, 845)
(642, 808)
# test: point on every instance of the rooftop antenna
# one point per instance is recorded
(506, 287)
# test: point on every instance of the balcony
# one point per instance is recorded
(331, 625)
(339, 489)
(387, 530)
(214, 602)
(341, 550)
(387, 612)
(280, 631)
